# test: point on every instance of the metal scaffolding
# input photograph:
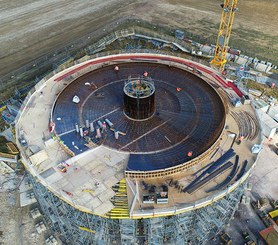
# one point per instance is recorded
(192, 227)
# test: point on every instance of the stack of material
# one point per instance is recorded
(212, 171)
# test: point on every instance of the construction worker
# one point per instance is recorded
(98, 133)
(189, 154)
(104, 127)
(116, 134)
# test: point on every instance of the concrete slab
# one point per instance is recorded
(25, 186)
(47, 173)
(107, 195)
(111, 181)
(104, 208)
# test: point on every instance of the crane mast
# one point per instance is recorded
(229, 8)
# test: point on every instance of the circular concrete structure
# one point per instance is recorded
(171, 177)
(185, 115)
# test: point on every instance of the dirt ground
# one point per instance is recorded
(265, 173)
(31, 28)
(264, 184)
(16, 224)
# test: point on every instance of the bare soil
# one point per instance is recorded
(16, 225)
(31, 28)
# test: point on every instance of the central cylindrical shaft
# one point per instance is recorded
(139, 99)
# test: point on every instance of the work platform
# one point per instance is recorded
(189, 130)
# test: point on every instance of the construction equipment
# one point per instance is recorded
(273, 214)
(225, 239)
(274, 203)
(229, 8)
(247, 239)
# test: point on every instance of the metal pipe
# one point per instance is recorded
(92, 127)
(81, 131)
(76, 128)
(87, 124)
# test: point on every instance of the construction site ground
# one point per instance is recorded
(32, 28)
(264, 184)
(16, 225)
